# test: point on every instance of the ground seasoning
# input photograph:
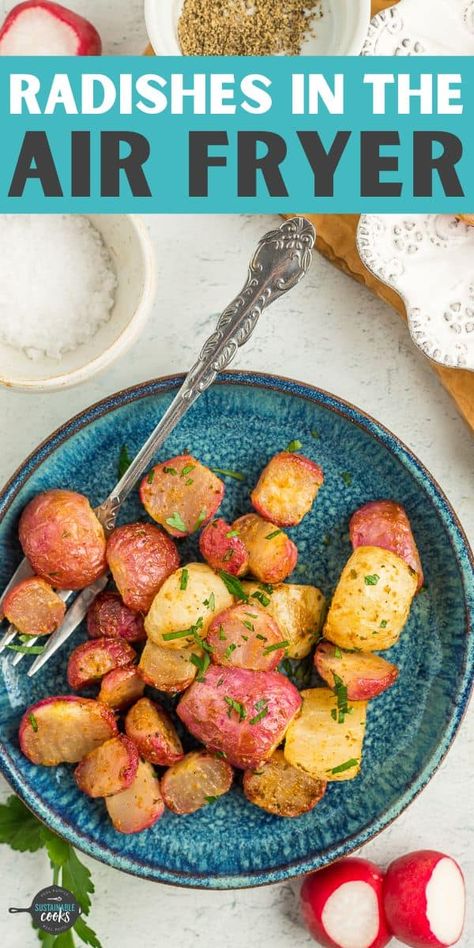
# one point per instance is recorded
(245, 28)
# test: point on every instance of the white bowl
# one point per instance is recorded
(341, 31)
(132, 254)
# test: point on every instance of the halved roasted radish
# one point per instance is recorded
(424, 899)
(109, 768)
(385, 523)
(166, 669)
(120, 687)
(197, 780)
(140, 557)
(342, 905)
(272, 555)
(222, 548)
(109, 617)
(181, 494)
(64, 729)
(281, 789)
(287, 488)
(246, 636)
(362, 674)
(154, 733)
(92, 660)
(140, 805)
(33, 607)
(42, 28)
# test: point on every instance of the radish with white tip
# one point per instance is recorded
(342, 905)
(42, 28)
(424, 899)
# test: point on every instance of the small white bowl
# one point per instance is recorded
(132, 255)
(341, 31)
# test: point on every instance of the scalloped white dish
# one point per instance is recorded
(422, 28)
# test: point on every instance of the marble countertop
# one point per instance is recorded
(330, 332)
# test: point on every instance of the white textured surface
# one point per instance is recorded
(329, 332)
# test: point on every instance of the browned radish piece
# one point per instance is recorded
(385, 523)
(272, 555)
(168, 669)
(222, 548)
(120, 687)
(287, 488)
(92, 660)
(243, 714)
(279, 788)
(109, 616)
(246, 636)
(109, 768)
(184, 607)
(181, 494)
(154, 734)
(362, 674)
(33, 607)
(326, 739)
(140, 557)
(63, 539)
(140, 806)
(62, 730)
(197, 780)
(297, 610)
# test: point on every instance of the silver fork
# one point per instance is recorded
(280, 261)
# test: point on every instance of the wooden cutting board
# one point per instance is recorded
(336, 240)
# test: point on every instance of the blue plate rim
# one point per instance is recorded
(465, 559)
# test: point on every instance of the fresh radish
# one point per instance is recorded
(424, 899)
(40, 28)
(342, 905)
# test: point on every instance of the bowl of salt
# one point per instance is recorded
(75, 293)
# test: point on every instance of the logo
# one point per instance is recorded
(53, 909)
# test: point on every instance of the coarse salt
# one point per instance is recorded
(57, 283)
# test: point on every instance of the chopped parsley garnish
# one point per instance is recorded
(383, 624)
(220, 755)
(261, 598)
(236, 706)
(203, 644)
(371, 580)
(187, 470)
(251, 615)
(275, 533)
(222, 635)
(337, 652)
(124, 461)
(211, 799)
(228, 473)
(334, 714)
(228, 556)
(295, 445)
(245, 637)
(266, 588)
(234, 586)
(262, 708)
(275, 647)
(345, 766)
(183, 633)
(230, 648)
(262, 637)
(170, 470)
(27, 649)
(151, 476)
(33, 721)
(232, 533)
(184, 578)
(176, 521)
(347, 478)
(315, 434)
(200, 519)
(248, 625)
(210, 603)
(202, 663)
(340, 690)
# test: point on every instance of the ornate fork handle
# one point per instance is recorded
(280, 261)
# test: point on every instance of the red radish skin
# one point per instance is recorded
(287, 488)
(342, 905)
(64, 728)
(140, 806)
(33, 607)
(385, 523)
(272, 555)
(40, 28)
(245, 636)
(222, 549)
(110, 617)
(92, 660)
(154, 734)
(181, 494)
(424, 899)
(364, 675)
(120, 687)
(140, 558)
(108, 769)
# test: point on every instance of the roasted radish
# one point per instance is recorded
(140, 805)
(424, 899)
(42, 28)
(108, 616)
(186, 605)
(109, 768)
(272, 555)
(342, 905)
(181, 494)
(281, 789)
(64, 729)
(92, 660)
(363, 675)
(140, 557)
(154, 734)
(246, 636)
(372, 600)
(63, 539)
(33, 607)
(195, 781)
(385, 523)
(240, 713)
(287, 488)
(221, 547)
(120, 687)
(169, 670)
(325, 740)
(297, 610)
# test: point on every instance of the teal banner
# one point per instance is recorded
(237, 134)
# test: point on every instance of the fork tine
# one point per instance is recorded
(22, 572)
(64, 594)
(7, 638)
(74, 617)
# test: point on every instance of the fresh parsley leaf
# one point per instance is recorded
(259, 717)
(77, 878)
(183, 582)
(86, 934)
(176, 521)
(383, 624)
(347, 478)
(233, 585)
(222, 635)
(345, 766)
(235, 706)
(337, 652)
(27, 649)
(371, 580)
(261, 598)
(228, 473)
(230, 648)
(124, 461)
(202, 664)
(274, 533)
(33, 722)
(210, 603)
(187, 470)
(200, 519)
(211, 799)
(151, 476)
(315, 434)
(275, 647)
(19, 829)
(232, 533)
(170, 470)
(294, 446)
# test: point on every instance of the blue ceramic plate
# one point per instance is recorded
(238, 424)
